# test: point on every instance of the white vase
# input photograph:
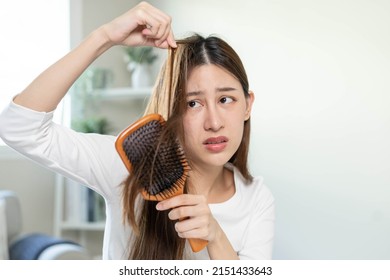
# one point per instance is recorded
(140, 75)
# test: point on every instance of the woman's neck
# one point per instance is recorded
(216, 184)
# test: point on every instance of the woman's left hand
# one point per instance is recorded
(194, 215)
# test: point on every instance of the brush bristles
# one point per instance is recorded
(159, 165)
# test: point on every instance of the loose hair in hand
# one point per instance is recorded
(154, 235)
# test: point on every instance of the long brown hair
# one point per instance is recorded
(154, 233)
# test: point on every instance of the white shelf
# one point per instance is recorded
(91, 226)
(124, 93)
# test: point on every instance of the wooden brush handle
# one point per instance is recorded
(197, 244)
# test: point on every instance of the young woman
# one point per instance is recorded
(203, 93)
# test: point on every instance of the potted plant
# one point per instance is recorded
(139, 60)
(91, 125)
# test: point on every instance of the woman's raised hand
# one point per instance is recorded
(143, 25)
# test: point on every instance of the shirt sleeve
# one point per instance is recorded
(87, 158)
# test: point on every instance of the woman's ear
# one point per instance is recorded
(249, 102)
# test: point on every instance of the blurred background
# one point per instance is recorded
(320, 125)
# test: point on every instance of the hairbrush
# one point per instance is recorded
(162, 166)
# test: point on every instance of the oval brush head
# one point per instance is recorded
(160, 166)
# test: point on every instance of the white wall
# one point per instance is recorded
(321, 124)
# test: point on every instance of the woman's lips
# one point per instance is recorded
(216, 144)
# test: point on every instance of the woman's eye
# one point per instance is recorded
(225, 100)
(193, 104)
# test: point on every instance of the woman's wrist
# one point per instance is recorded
(99, 41)
(220, 247)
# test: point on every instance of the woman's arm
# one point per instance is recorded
(142, 25)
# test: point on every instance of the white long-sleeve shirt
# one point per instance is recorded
(247, 218)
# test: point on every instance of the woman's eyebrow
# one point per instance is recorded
(194, 93)
(224, 89)
(219, 89)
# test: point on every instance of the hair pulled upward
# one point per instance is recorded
(154, 233)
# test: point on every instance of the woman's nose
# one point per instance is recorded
(213, 119)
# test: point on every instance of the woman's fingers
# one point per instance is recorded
(184, 212)
(157, 24)
(192, 213)
(181, 200)
(193, 228)
(159, 30)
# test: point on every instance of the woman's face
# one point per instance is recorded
(215, 115)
